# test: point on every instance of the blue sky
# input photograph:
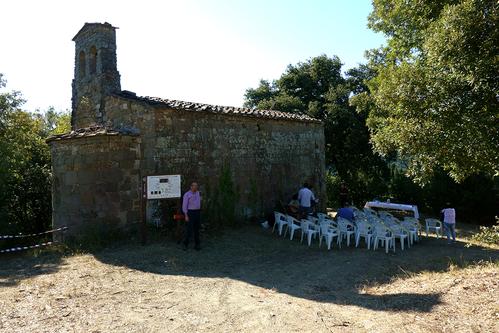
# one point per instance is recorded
(298, 30)
(202, 51)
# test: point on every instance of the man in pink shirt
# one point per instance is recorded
(191, 207)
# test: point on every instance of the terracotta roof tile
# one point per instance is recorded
(92, 131)
(181, 105)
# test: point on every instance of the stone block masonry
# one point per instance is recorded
(274, 155)
(95, 74)
(118, 137)
(96, 181)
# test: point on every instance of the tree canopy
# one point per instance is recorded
(346, 104)
(318, 88)
(435, 96)
(25, 177)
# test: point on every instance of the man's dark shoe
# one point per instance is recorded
(184, 247)
(197, 248)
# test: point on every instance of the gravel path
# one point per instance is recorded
(248, 280)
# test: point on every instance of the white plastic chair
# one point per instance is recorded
(370, 211)
(307, 228)
(364, 230)
(292, 225)
(332, 223)
(358, 214)
(312, 219)
(322, 217)
(433, 225)
(304, 228)
(400, 233)
(383, 234)
(361, 219)
(384, 215)
(328, 233)
(346, 228)
(414, 228)
(280, 222)
(374, 220)
(411, 219)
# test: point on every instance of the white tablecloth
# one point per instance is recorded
(390, 205)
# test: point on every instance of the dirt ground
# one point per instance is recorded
(250, 280)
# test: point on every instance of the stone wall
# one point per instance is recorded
(118, 137)
(96, 181)
(270, 156)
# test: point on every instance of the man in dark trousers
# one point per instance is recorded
(191, 207)
(306, 198)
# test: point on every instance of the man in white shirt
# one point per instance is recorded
(305, 198)
(450, 223)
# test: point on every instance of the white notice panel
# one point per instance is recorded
(163, 187)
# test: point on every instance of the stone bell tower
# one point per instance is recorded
(96, 73)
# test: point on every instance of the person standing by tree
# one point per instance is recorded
(450, 223)
(191, 207)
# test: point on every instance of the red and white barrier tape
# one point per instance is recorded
(32, 235)
(22, 248)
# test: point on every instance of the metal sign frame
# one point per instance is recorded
(145, 196)
(164, 187)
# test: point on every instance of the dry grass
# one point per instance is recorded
(249, 280)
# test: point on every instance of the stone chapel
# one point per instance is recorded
(117, 138)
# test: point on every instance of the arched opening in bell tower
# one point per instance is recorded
(82, 64)
(93, 60)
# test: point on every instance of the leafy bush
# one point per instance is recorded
(221, 202)
(488, 235)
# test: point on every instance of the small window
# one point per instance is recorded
(93, 60)
(83, 64)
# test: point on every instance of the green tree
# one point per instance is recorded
(318, 88)
(25, 197)
(434, 98)
(55, 122)
(266, 91)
